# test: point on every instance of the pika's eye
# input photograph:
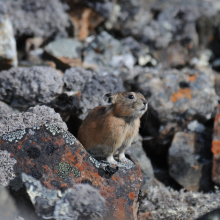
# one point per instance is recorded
(131, 97)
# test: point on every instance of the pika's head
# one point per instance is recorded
(127, 104)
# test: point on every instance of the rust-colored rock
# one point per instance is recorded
(216, 149)
(58, 160)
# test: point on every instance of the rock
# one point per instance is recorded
(6, 168)
(213, 215)
(136, 152)
(85, 21)
(38, 18)
(190, 160)
(83, 202)
(161, 202)
(139, 51)
(34, 117)
(77, 203)
(172, 25)
(102, 7)
(5, 110)
(92, 86)
(8, 52)
(176, 95)
(129, 18)
(215, 149)
(106, 54)
(65, 53)
(196, 126)
(55, 158)
(25, 87)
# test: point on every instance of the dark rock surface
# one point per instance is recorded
(213, 215)
(190, 160)
(25, 87)
(8, 52)
(38, 18)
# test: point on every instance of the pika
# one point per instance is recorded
(109, 130)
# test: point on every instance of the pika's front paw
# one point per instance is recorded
(123, 159)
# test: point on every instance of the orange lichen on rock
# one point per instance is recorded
(216, 147)
(182, 93)
(192, 78)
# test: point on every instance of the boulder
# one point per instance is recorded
(53, 156)
(177, 95)
(38, 18)
(190, 160)
(24, 87)
(8, 52)
(162, 202)
(65, 52)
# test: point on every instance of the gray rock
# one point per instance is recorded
(8, 52)
(162, 202)
(140, 51)
(82, 202)
(190, 161)
(65, 53)
(137, 152)
(38, 18)
(43, 199)
(75, 79)
(196, 126)
(24, 87)
(92, 85)
(6, 167)
(106, 54)
(177, 95)
(34, 117)
(5, 110)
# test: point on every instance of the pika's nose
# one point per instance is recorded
(145, 102)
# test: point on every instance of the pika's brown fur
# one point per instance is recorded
(110, 129)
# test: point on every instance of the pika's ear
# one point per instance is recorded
(108, 98)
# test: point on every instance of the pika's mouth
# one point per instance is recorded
(143, 109)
